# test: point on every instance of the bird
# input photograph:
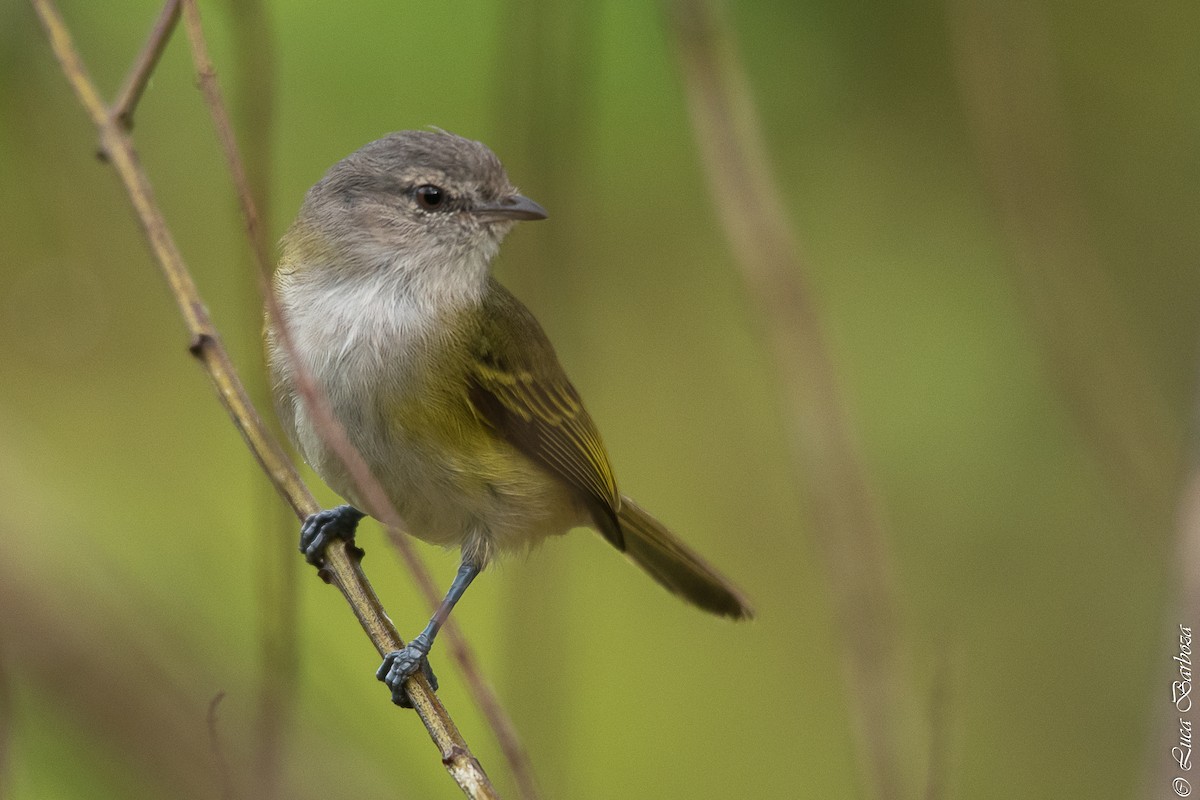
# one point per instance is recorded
(442, 379)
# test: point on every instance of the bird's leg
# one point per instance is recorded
(399, 665)
(324, 526)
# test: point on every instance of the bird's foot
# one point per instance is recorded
(321, 528)
(399, 665)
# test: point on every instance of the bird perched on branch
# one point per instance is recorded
(441, 379)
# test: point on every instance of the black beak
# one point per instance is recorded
(513, 207)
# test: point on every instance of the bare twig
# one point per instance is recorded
(458, 647)
(143, 67)
(847, 524)
(341, 565)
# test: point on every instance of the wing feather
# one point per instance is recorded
(518, 387)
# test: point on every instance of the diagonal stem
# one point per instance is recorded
(342, 567)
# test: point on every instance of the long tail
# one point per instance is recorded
(676, 566)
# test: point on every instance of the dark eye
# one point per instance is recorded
(431, 197)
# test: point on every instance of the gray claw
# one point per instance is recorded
(321, 528)
(399, 665)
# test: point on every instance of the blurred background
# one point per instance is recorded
(960, 504)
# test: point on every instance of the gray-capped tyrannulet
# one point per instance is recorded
(443, 381)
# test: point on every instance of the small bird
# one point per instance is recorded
(442, 379)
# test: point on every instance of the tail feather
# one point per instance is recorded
(676, 566)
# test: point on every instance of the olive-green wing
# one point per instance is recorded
(518, 387)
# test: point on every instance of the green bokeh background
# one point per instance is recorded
(147, 564)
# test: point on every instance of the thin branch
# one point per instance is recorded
(143, 67)
(341, 565)
(848, 527)
(482, 693)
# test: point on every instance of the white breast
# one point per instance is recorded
(351, 336)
